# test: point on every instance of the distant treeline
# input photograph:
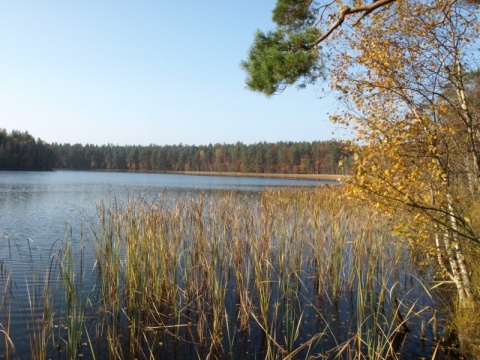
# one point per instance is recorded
(21, 151)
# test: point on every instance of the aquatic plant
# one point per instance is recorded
(284, 273)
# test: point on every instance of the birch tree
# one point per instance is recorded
(401, 68)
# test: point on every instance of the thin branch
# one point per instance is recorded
(367, 9)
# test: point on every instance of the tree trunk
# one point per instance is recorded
(465, 286)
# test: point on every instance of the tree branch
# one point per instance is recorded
(366, 9)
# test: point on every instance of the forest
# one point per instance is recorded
(20, 151)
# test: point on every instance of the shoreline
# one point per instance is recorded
(320, 177)
(311, 177)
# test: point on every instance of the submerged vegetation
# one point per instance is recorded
(286, 273)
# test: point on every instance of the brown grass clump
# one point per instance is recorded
(467, 323)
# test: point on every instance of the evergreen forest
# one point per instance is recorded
(20, 151)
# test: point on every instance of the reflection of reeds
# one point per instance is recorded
(41, 294)
(40, 284)
(5, 302)
(279, 274)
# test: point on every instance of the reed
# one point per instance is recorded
(107, 245)
(5, 303)
(40, 281)
(284, 273)
(41, 296)
(77, 291)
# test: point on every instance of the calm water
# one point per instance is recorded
(38, 205)
(37, 209)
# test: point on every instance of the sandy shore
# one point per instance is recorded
(321, 177)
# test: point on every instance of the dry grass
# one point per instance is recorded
(464, 323)
(292, 273)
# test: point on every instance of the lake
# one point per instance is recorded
(238, 271)
(37, 205)
(37, 209)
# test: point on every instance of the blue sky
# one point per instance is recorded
(145, 72)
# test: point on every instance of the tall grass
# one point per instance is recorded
(464, 322)
(77, 291)
(5, 301)
(39, 317)
(290, 273)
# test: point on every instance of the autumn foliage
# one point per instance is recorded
(405, 72)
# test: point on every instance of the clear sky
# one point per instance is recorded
(144, 72)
